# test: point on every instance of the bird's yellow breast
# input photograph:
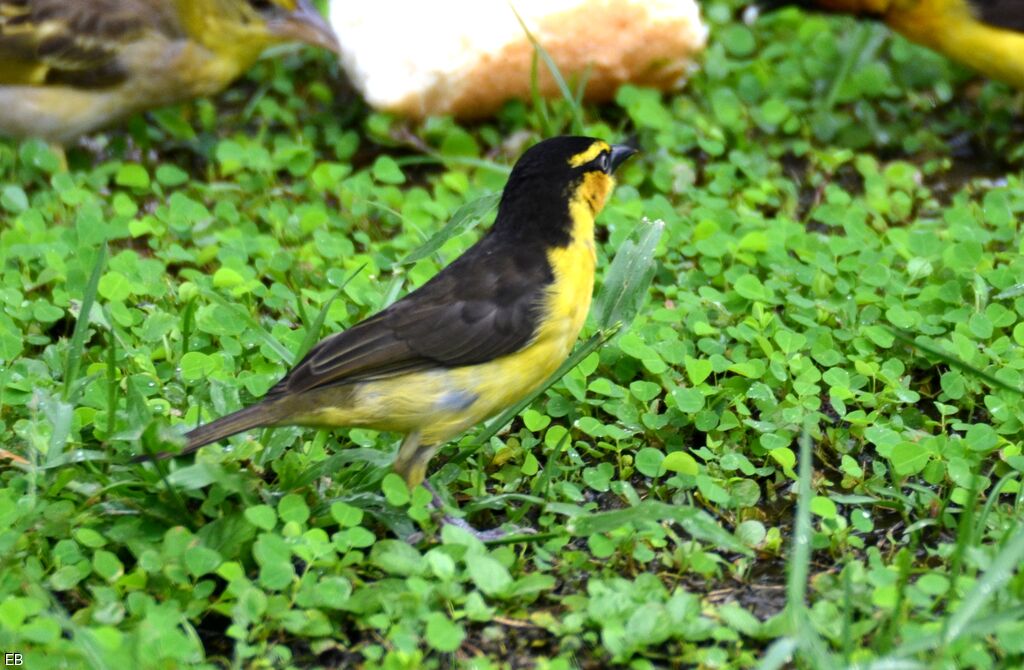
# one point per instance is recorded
(443, 402)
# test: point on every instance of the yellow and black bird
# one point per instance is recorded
(985, 35)
(478, 337)
(69, 67)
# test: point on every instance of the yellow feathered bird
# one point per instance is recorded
(69, 67)
(481, 335)
(986, 35)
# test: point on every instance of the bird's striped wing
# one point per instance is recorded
(484, 305)
(1005, 14)
(73, 42)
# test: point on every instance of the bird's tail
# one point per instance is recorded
(255, 416)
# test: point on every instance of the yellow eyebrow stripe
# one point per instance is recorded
(590, 154)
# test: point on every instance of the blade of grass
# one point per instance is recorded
(800, 555)
(188, 317)
(300, 307)
(951, 360)
(82, 639)
(542, 482)
(965, 529)
(778, 655)
(111, 382)
(698, 523)
(978, 627)
(59, 415)
(964, 622)
(391, 291)
(628, 276)
(992, 497)
(999, 572)
(897, 616)
(563, 87)
(465, 218)
(1018, 505)
(581, 86)
(847, 634)
(282, 352)
(405, 223)
(78, 336)
(164, 475)
(859, 53)
(810, 644)
(313, 332)
(1012, 292)
(329, 467)
(539, 103)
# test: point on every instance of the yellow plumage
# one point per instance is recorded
(69, 67)
(483, 334)
(429, 404)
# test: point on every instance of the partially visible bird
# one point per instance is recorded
(70, 67)
(478, 337)
(986, 35)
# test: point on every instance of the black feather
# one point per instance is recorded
(487, 304)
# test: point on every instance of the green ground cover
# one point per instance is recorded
(839, 274)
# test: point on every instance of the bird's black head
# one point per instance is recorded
(553, 178)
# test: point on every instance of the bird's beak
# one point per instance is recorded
(620, 152)
(306, 24)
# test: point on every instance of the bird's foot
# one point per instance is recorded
(488, 535)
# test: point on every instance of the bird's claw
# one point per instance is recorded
(482, 535)
(486, 535)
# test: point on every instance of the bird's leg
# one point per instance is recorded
(459, 522)
(411, 465)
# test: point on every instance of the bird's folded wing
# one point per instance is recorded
(72, 42)
(481, 307)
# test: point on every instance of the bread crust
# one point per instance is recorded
(610, 42)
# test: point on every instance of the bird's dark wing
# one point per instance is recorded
(1005, 14)
(484, 305)
(73, 42)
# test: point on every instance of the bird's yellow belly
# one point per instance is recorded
(57, 114)
(443, 402)
(162, 72)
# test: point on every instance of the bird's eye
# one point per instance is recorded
(604, 161)
(261, 5)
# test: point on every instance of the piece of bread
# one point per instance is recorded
(467, 57)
